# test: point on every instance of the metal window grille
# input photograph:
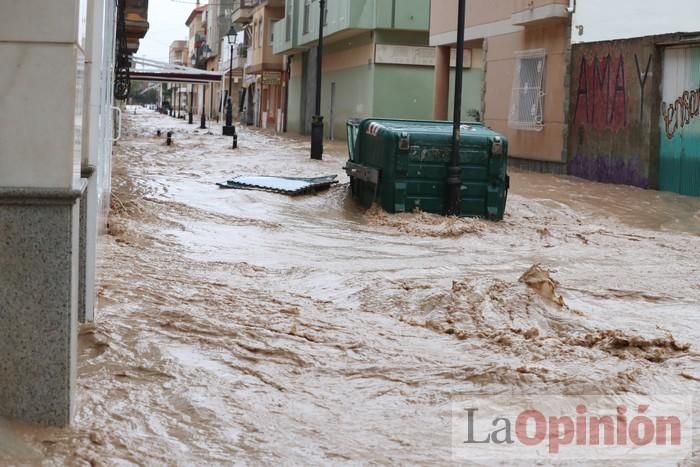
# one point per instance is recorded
(527, 99)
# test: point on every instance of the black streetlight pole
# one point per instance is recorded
(454, 172)
(229, 129)
(191, 104)
(193, 60)
(317, 119)
(179, 101)
(203, 122)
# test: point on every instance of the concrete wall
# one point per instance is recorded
(604, 20)
(495, 26)
(295, 120)
(41, 133)
(486, 18)
(354, 97)
(548, 144)
(404, 92)
(260, 54)
(614, 109)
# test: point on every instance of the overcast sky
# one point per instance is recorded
(167, 23)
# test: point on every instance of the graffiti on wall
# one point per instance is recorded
(605, 168)
(681, 112)
(602, 97)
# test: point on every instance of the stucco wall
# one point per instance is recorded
(353, 97)
(295, 117)
(400, 92)
(547, 144)
(614, 112)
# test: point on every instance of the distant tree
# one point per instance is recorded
(143, 92)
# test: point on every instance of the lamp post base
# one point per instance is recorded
(454, 190)
(317, 137)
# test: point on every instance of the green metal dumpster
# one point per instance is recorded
(402, 165)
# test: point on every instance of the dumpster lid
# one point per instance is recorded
(426, 126)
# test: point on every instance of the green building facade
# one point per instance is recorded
(376, 62)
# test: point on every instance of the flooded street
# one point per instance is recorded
(250, 327)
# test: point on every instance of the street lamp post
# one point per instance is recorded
(454, 171)
(317, 119)
(179, 101)
(203, 122)
(229, 129)
(193, 61)
(190, 120)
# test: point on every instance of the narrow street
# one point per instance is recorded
(251, 327)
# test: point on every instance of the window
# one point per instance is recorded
(288, 23)
(527, 99)
(307, 13)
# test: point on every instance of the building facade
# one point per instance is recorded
(607, 91)
(260, 70)
(55, 152)
(175, 92)
(635, 94)
(526, 46)
(376, 62)
(218, 26)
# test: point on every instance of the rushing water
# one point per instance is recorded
(250, 327)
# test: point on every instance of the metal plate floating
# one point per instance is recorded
(292, 186)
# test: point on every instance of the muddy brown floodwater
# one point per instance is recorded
(254, 328)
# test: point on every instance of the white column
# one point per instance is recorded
(42, 51)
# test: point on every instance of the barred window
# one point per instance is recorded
(527, 99)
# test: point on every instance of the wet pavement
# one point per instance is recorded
(249, 327)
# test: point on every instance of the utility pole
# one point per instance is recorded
(454, 171)
(317, 119)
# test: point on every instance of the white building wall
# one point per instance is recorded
(604, 20)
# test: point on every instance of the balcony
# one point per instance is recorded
(240, 57)
(243, 11)
(347, 17)
(136, 22)
(539, 12)
(286, 35)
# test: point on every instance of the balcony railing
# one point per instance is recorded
(243, 10)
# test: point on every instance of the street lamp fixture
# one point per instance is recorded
(229, 129)
(317, 119)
